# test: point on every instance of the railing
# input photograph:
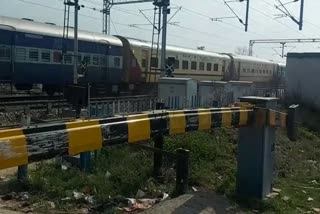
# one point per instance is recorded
(196, 101)
(100, 109)
(20, 147)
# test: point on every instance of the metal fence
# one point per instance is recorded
(191, 102)
(121, 107)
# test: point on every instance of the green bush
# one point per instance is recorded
(213, 157)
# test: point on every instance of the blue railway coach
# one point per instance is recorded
(31, 53)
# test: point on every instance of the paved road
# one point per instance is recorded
(194, 203)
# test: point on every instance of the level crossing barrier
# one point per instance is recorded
(19, 147)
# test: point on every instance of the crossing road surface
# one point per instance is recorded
(193, 203)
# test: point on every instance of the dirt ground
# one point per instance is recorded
(201, 202)
(4, 211)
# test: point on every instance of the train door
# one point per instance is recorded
(223, 69)
(238, 71)
(103, 73)
(7, 50)
(144, 63)
(223, 66)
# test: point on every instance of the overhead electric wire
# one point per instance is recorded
(54, 8)
(93, 2)
(240, 20)
(139, 28)
(209, 18)
(115, 23)
(182, 27)
(115, 29)
(306, 21)
(277, 21)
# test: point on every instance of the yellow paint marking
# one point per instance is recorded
(226, 119)
(204, 119)
(283, 120)
(84, 136)
(139, 128)
(260, 115)
(272, 118)
(177, 122)
(243, 118)
(13, 148)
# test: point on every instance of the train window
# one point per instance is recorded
(143, 63)
(252, 70)
(21, 54)
(244, 70)
(5, 53)
(201, 66)
(154, 62)
(95, 60)
(68, 59)
(176, 64)
(185, 65)
(103, 61)
(117, 62)
(57, 56)
(87, 59)
(209, 66)
(45, 56)
(34, 55)
(216, 67)
(193, 65)
(79, 59)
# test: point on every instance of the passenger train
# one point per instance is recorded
(36, 53)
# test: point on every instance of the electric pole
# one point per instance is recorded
(301, 14)
(283, 46)
(75, 65)
(166, 3)
(107, 4)
(286, 13)
(246, 23)
(247, 16)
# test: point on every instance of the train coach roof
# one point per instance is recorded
(303, 55)
(33, 27)
(140, 43)
(252, 59)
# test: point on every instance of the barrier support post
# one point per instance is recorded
(182, 171)
(22, 174)
(256, 152)
(157, 158)
(85, 159)
(292, 125)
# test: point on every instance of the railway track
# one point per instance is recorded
(14, 103)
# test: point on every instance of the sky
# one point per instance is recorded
(192, 24)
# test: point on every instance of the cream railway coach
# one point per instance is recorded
(204, 65)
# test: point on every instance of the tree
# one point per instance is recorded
(242, 51)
